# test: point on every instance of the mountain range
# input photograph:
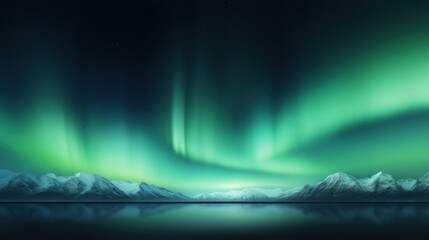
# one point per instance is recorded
(247, 194)
(380, 186)
(81, 186)
(336, 187)
(20, 186)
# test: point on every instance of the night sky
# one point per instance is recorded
(201, 96)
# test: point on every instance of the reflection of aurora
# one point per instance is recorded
(201, 221)
(336, 213)
(236, 127)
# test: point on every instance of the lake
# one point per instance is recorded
(211, 221)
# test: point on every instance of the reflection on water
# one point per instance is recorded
(78, 212)
(211, 220)
(375, 213)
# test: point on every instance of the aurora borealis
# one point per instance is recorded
(215, 95)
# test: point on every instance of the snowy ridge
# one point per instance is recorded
(248, 194)
(379, 187)
(336, 187)
(81, 186)
(19, 186)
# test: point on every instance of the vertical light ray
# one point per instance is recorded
(178, 120)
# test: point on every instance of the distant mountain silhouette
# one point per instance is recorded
(379, 187)
(335, 187)
(81, 186)
(19, 186)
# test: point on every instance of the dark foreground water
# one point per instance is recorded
(212, 221)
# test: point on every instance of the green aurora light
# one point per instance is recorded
(359, 116)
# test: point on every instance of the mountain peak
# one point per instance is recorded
(381, 173)
(87, 178)
(82, 186)
(382, 176)
(5, 172)
(51, 175)
(247, 194)
(380, 182)
(339, 177)
(81, 174)
(425, 177)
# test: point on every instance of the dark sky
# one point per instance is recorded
(128, 47)
(118, 50)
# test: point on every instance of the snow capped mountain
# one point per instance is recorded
(129, 188)
(248, 194)
(407, 184)
(5, 177)
(81, 186)
(234, 195)
(20, 182)
(380, 182)
(147, 191)
(381, 186)
(422, 184)
(93, 187)
(89, 187)
(336, 187)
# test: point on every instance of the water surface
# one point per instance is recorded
(211, 221)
